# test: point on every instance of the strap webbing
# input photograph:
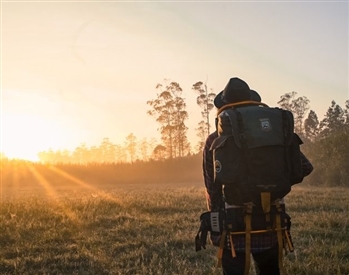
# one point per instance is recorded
(289, 241)
(220, 249)
(279, 232)
(266, 201)
(233, 252)
(248, 229)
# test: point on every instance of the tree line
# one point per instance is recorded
(169, 111)
(325, 141)
(307, 124)
(106, 152)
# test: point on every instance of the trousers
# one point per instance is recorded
(266, 262)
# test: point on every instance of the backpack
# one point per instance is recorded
(257, 159)
(256, 152)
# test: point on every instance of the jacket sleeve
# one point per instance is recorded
(213, 190)
(307, 166)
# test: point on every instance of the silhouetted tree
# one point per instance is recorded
(95, 155)
(205, 101)
(334, 120)
(107, 149)
(169, 111)
(330, 157)
(298, 106)
(202, 134)
(346, 112)
(144, 148)
(120, 154)
(131, 146)
(311, 126)
(159, 152)
(80, 154)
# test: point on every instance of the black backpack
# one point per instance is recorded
(256, 152)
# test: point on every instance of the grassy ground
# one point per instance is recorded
(150, 229)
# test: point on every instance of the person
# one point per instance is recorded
(264, 247)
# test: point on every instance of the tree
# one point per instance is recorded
(298, 106)
(334, 120)
(330, 157)
(144, 149)
(147, 147)
(159, 152)
(346, 112)
(107, 151)
(311, 126)
(169, 111)
(79, 154)
(205, 101)
(120, 154)
(95, 155)
(202, 134)
(131, 146)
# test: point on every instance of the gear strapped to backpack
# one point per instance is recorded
(257, 159)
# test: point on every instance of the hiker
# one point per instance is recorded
(263, 247)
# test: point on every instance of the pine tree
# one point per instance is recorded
(311, 126)
(333, 121)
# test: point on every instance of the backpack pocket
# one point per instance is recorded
(227, 158)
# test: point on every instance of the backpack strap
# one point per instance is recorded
(248, 229)
(266, 202)
(233, 252)
(288, 234)
(279, 233)
(241, 103)
(286, 140)
(221, 246)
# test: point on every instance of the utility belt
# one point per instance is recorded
(246, 220)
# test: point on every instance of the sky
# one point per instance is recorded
(76, 72)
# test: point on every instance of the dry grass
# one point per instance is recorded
(150, 229)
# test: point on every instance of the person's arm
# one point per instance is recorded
(213, 191)
(307, 166)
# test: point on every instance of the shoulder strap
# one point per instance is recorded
(237, 104)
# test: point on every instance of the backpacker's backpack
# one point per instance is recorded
(256, 152)
(257, 159)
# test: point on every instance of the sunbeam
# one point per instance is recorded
(11, 175)
(94, 190)
(53, 194)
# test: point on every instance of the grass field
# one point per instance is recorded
(150, 229)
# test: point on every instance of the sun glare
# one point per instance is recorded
(23, 136)
(54, 195)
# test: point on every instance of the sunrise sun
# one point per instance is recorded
(24, 135)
